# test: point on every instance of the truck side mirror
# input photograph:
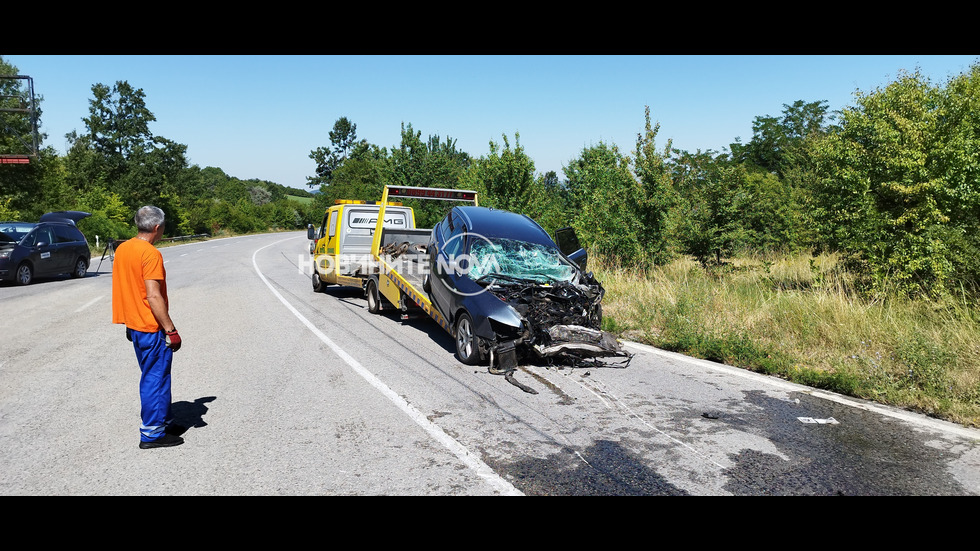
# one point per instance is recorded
(309, 232)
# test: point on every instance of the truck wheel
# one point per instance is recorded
(467, 350)
(373, 297)
(318, 285)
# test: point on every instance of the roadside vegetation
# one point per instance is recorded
(836, 249)
(799, 317)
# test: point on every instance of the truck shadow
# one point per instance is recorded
(427, 325)
(348, 295)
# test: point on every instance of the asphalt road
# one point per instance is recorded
(288, 392)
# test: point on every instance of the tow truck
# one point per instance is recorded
(341, 245)
(355, 246)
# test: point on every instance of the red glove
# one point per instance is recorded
(173, 340)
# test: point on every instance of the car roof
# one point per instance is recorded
(490, 222)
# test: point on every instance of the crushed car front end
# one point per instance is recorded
(535, 302)
(559, 321)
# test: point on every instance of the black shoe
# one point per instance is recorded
(175, 429)
(164, 441)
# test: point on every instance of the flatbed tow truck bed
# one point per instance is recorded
(402, 259)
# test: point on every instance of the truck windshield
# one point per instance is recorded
(516, 259)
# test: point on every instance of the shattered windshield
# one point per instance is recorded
(513, 259)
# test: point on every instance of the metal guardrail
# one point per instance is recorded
(186, 237)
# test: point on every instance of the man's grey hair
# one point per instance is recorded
(148, 217)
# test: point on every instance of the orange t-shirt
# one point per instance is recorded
(136, 261)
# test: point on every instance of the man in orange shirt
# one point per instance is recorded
(140, 302)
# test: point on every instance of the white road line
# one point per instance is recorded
(89, 303)
(457, 449)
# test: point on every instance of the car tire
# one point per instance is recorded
(81, 268)
(467, 343)
(25, 274)
(373, 297)
(426, 285)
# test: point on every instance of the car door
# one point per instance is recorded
(449, 241)
(67, 247)
(43, 245)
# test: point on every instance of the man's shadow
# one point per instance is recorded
(191, 414)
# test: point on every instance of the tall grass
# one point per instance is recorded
(799, 318)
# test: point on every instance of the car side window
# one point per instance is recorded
(46, 236)
(443, 228)
(454, 241)
(67, 234)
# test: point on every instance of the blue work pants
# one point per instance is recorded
(155, 359)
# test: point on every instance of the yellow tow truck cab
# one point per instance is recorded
(341, 245)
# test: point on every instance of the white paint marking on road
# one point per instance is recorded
(89, 303)
(457, 449)
(811, 421)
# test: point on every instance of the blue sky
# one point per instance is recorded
(261, 116)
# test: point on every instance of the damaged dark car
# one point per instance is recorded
(512, 294)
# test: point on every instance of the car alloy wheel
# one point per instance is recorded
(81, 268)
(467, 349)
(25, 274)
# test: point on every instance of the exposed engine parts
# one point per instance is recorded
(563, 322)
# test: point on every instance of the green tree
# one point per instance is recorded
(603, 191)
(111, 218)
(504, 178)
(343, 142)
(778, 142)
(709, 222)
(550, 203)
(119, 152)
(898, 186)
(652, 202)
(427, 163)
(362, 176)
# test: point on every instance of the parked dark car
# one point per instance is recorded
(49, 247)
(509, 291)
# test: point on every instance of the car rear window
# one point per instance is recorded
(68, 234)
